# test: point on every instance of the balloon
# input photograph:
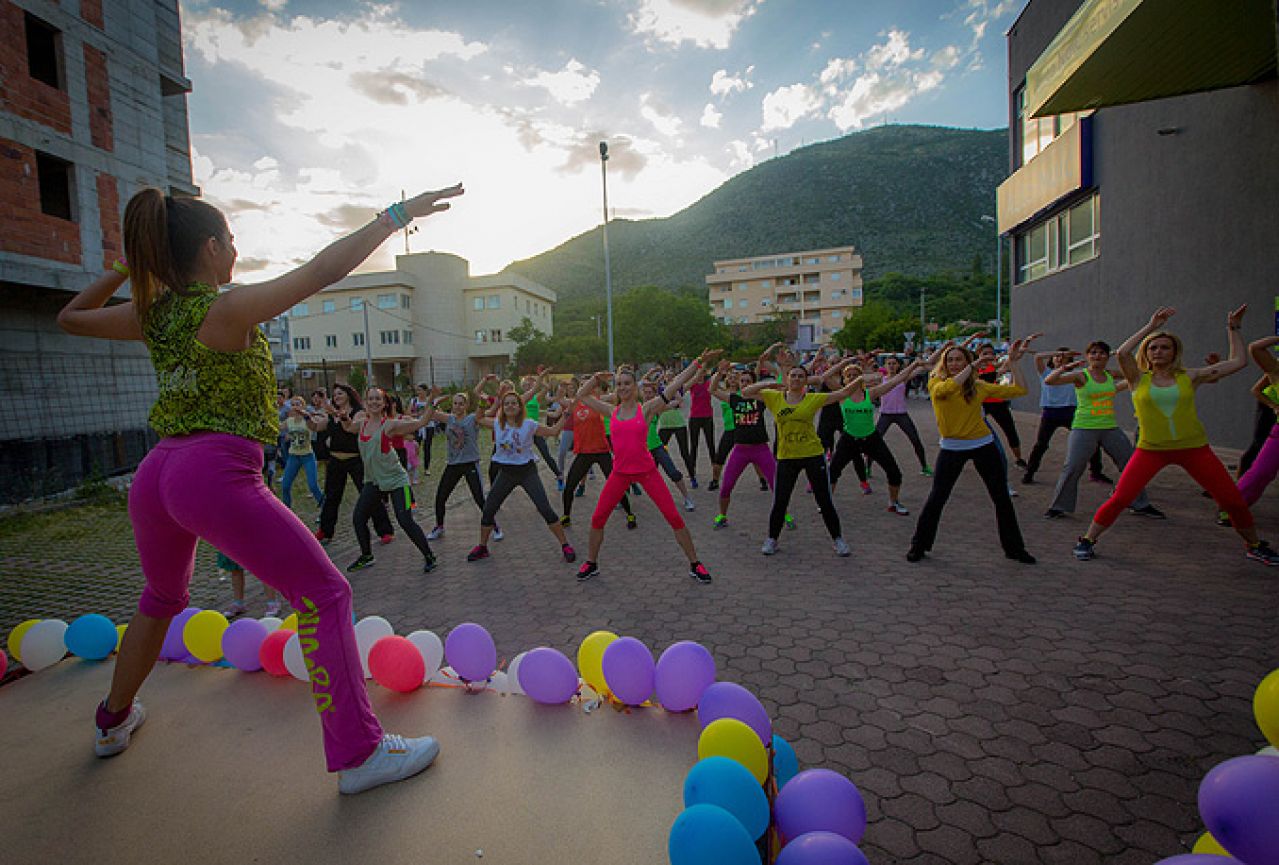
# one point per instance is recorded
(271, 654)
(548, 676)
(119, 635)
(397, 664)
(629, 670)
(1239, 803)
(4, 663)
(1268, 751)
(271, 623)
(729, 785)
(294, 660)
(242, 642)
(368, 631)
(705, 834)
(16, 635)
(291, 622)
(1265, 707)
(684, 671)
(513, 673)
(819, 800)
(91, 637)
(729, 737)
(1199, 859)
(470, 651)
(1208, 844)
(174, 648)
(43, 645)
(202, 635)
(431, 649)
(590, 659)
(501, 682)
(785, 763)
(822, 848)
(730, 700)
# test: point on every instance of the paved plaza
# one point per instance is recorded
(989, 711)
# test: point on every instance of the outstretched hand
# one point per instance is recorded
(432, 202)
(1161, 315)
(1236, 317)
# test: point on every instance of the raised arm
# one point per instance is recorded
(1238, 358)
(1071, 373)
(844, 392)
(716, 391)
(546, 431)
(1262, 354)
(753, 390)
(87, 314)
(906, 374)
(586, 393)
(1127, 360)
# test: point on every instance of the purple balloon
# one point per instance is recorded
(822, 848)
(548, 676)
(470, 651)
(684, 672)
(729, 700)
(629, 670)
(819, 800)
(1239, 803)
(1200, 859)
(175, 647)
(242, 642)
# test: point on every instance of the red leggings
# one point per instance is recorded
(1200, 463)
(652, 482)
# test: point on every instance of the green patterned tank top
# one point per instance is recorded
(202, 389)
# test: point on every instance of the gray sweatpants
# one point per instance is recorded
(1079, 448)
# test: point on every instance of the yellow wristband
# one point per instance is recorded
(120, 266)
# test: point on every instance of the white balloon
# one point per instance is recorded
(432, 650)
(1268, 751)
(271, 622)
(445, 675)
(500, 682)
(513, 674)
(368, 631)
(42, 645)
(294, 660)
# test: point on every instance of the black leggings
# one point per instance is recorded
(1262, 422)
(335, 474)
(370, 499)
(1002, 413)
(1051, 420)
(705, 426)
(662, 457)
(425, 435)
(540, 444)
(454, 472)
(726, 440)
(508, 478)
(681, 437)
(873, 448)
(577, 473)
(950, 464)
(907, 425)
(788, 472)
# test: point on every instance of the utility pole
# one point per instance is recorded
(608, 273)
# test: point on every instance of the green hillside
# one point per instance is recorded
(909, 198)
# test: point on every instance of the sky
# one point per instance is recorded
(307, 117)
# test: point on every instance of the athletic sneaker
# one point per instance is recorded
(570, 555)
(719, 522)
(1084, 549)
(272, 608)
(1223, 519)
(1262, 552)
(479, 551)
(1024, 557)
(395, 759)
(1027, 478)
(1053, 514)
(234, 608)
(498, 534)
(637, 490)
(713, 485)
(926, 472)
(689, 505)
(113, 741)
(566, 521)
(580, 491)
(692, 481)
(841, 548)
(386, 539)
(1100, 479)
(361, 563)
(435, 534)
(429, 564)
(698, 572)
(631, 522)
(1150, 511)
(586, 571)
(790, 522)
(898, 508)
(1012, 493)
(770, 547)
(866, 490)
(1021, 464)
(321, 536)
(914, 554)
(763, 485)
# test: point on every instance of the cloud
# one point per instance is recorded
(571, 85)
(946, 58)
(978, 15)
(347, 217)
(710, 117)
(723, 84)
(251, 265)
(623, 157)
(705, 23)
(660, 115)
(836, 69)
(394, 88)
(740, 154)
(893, 52)
(874, 94)
(786, 105)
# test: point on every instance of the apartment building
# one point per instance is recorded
(92, 108)
(818, 288)
(428, 320)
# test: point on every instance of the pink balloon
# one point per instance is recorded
(629, 670)
(547, 676)
(397, 664)
(272, 652)
(730, 700)
(470, 651)
(684, 672)
(4, 663)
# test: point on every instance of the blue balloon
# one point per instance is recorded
(729, 785)
(822, 848)
(707, 835)
(92, 637)
(785, 763)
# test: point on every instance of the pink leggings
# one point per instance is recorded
(209, 485)
(1263, 469)
(1200, 463)
(739, 458)
(652, 482)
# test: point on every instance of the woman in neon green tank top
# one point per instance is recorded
(1170, 430)
(214, 413)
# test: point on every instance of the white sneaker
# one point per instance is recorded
(435, 534)
(395, 759)
(899, 508)
(841, 548)
(689, 505)
(770, 547)
(498, 534)
(113, 741)
(1012, 492)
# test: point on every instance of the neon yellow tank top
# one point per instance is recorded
(1167, 415)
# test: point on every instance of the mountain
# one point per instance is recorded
(909, 198)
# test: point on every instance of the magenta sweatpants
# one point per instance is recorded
(652, 482)
(209, 485)
(739, 458)
(1263, 469)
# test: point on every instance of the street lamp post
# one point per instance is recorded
(608, 274)
(923, 321)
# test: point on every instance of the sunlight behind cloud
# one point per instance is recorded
(705, 23)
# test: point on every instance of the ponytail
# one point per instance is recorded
(162, 237)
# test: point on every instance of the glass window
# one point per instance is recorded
(743, 320)
(837, 294)
(406, 302)
(765, 302)
(299, 309)
(408, 337)
(477, 304)
(835, 313)
(728, 303)
(481, 336)
(836, 276)
(765, 283)
(743, 303)
(357, 303)
(357, 339)
(330, 340)
(832, 259)
(495, 335)
(386, 301)
(328, 306)
(493, 301)
(855, 294)
(816, 259)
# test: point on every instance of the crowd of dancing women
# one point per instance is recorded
(224, 425)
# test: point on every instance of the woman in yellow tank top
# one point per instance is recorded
(1163, 396)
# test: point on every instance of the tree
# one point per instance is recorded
(652, 323)
(862, 324)
(357, 379)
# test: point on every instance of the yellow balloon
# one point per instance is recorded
(1208, 845)
(1265, 706)
(729, 737)
(290, 624)
(16, 635)
(119, 635)
(590, 659)
(203, 635)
